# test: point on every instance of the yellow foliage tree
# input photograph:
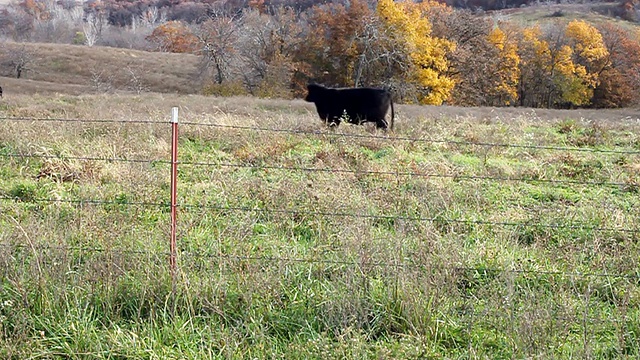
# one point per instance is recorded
(407, 26)
(553, 75)
(507, 69)
(589, 50)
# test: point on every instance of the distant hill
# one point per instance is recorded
(74, 69)
(594, 13)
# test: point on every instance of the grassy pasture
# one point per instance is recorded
(434, 241)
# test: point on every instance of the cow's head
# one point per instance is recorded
(315, 92)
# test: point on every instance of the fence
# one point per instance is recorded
(174, 162)
(466, 277)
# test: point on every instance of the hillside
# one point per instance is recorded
(74, 69)
(595, 13)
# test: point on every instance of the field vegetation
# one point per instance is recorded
(480, 233)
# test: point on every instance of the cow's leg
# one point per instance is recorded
(381, 124)
(334, 122)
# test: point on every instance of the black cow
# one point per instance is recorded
(355, 105)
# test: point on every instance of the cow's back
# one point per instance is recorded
(364, 101)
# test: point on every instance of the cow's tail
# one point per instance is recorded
(392, 115)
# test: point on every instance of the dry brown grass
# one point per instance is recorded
(249, 111)
(68, 69)
(594, 13)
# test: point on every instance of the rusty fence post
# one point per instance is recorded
(174, 184)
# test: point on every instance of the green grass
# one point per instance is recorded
(410, 249)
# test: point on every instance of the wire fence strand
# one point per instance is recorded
(331, 170)
(293, 212)
(351, 263)
(80, 120)
(85, 158)
(335, 134)
(411, 173)
(411, 218)
(86, 201)
(413, 139)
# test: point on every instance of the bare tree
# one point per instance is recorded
(218, 38)
(18, 58)
(91, 28)
(381, 59)
(267, 47)
(136, 81)
(100, 81)
(153, 16)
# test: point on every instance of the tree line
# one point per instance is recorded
(426, 52)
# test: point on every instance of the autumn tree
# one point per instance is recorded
(268, 47)
(477, 56)
(548, 72)
(619, 83)
(37, 9)
(173, 36)
(503, 90)
(406, 25)
(534, 84)
(589, 56)
(559, 66)
(17, 23)
(332, 47)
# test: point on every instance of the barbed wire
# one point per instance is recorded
(86, 201)
(333, 134)
(411, 218)
(409, 173)
(412, 265)
(274, 259)
(327, 170)
(331, 214)
(41, 247)
(80, 120)
(85, 158)
(412, 139)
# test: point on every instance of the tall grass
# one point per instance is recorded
(413, 249)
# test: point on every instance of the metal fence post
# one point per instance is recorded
(174, 183)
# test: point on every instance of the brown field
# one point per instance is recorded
(72, 69)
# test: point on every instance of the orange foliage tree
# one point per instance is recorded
(619, 83)
(36, 9)
(332, 46)
(173, 36)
